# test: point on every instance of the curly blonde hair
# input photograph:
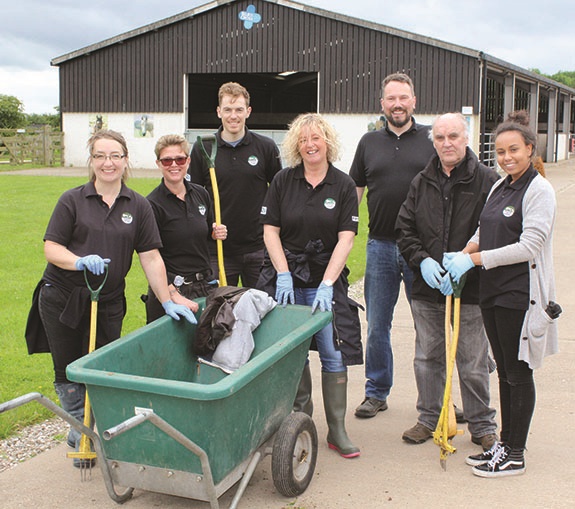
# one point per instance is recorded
(313, 121)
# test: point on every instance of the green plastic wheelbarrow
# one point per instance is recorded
(171, 424)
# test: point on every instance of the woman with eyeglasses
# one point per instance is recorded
(95, 228)
(185, 218)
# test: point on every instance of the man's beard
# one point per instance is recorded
(399, 124)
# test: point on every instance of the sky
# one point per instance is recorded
(527, 33)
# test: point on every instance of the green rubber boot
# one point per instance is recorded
(334, 388)
(303, 402)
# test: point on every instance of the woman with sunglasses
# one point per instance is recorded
(94, 229)
(184, 215)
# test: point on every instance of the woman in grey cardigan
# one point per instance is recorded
(513, 244)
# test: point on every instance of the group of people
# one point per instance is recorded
(435, 214)
(289, 232)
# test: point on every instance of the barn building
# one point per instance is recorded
(293, 58)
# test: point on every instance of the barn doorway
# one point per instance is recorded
(276, 98)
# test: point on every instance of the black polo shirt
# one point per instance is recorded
(85, 225)
(386, 164)
(304, 213)
(185, 228)
(243, 174)
(501, 225)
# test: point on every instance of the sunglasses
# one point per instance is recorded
(168, 161)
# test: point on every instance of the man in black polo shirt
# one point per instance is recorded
(385, 162)
(246, 163)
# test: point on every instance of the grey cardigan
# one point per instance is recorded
(539, 336)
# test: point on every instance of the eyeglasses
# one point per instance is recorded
(115, 158)
(168, 161)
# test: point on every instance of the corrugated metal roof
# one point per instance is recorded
(480, 55)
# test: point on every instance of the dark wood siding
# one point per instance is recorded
(145, 73)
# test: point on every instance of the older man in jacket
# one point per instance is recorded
(440, 214)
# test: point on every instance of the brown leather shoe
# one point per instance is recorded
(486, 441)
(418, 434)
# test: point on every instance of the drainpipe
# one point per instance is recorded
(557, 109)
(482, 104)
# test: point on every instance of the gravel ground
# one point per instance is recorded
(31, 441)
(34, 439)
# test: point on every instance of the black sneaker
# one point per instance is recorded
(485, 457)
(502, 465)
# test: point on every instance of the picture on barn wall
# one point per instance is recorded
(143, 126)
(97, 122)
(376, 125)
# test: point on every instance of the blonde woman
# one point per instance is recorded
(310, 221)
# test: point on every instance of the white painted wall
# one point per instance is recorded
(77, 131)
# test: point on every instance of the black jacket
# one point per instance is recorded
(346, 323)
(424, 231)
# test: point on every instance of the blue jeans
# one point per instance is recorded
(472, 366)
(330, 357)
(385, 270)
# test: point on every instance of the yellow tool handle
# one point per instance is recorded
(452, 428)
(84, 450)
(219, 243)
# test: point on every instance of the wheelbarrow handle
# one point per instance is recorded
(95, 293)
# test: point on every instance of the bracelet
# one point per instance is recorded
(175, 290)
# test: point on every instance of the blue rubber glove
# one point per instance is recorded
(176, 310)
(432, 272)
(323, 298)
(447, 257)
(284, 289)
(94, 263)
(445, 288)
(459, 265)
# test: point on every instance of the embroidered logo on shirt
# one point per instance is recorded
(253, 160)
(127, 218)
(355, 219)
(509, 211)
(329, 203)
(202, 210)
(264, 211)
(188, 177)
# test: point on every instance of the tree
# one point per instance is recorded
(565, 77)
(11, 112)
(37, 119)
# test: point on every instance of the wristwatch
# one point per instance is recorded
(327, 282)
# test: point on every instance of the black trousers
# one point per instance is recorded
(245, 266)
(516, 384)
(68, 344)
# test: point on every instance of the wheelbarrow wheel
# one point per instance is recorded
(294, 454)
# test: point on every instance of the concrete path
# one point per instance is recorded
(389, 473)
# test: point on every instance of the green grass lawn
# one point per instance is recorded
(26, 204)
